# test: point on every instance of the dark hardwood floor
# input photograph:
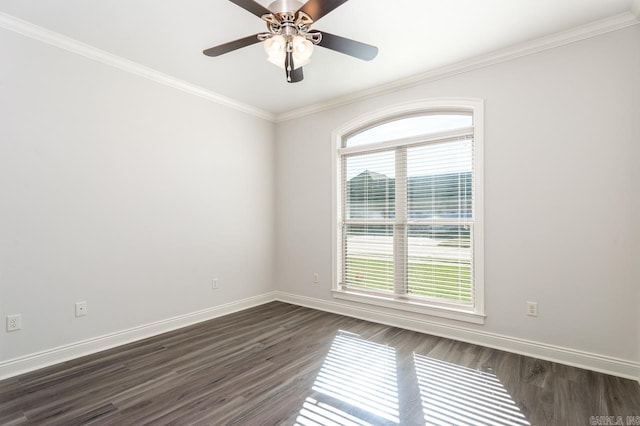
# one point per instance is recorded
(282, 364)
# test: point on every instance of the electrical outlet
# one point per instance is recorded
(14, 322)
(316, 278)
(81, 309)
(532, 309)
(214, 284)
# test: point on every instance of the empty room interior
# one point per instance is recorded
(321, 212)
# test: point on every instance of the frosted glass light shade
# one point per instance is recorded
(302, 48)
(276, 48)
(275, 45)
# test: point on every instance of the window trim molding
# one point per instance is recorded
(390, 113)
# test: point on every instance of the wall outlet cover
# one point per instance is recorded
(81, 309)
(14, 322)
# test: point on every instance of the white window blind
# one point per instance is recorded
(407, 210)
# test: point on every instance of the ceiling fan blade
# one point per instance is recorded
(232, 45)
(252, 7)
(348, 47)
(318, 8)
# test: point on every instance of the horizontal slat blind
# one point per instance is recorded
(369, 256)
(440, 262)
(440, 208)
(370, 186)
(407, 218)
(369, 197)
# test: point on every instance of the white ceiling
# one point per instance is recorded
(414, 36)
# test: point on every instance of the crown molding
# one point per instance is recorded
(27, 29)
(573, 35)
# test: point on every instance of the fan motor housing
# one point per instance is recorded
(285, 6)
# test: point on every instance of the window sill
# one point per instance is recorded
(411, 306)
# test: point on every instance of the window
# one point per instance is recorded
(408, 198)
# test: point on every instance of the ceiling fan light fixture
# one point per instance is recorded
(289, 41)
(302, 49)
(276, 48)
(277, 60)
(275, 45)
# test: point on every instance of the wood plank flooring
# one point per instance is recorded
(280, 364)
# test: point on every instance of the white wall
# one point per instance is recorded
(124, 193)
(562, 150)
(132, 196)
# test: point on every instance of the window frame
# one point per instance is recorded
(474, 313)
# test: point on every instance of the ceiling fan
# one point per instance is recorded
(289, 42)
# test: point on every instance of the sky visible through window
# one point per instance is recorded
(409, 127)
(384, 163)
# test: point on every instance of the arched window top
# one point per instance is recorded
(407, 127)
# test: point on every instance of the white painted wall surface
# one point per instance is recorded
(562, 152)
(133, 196)
(124, 193)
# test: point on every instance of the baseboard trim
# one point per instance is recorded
(16, 366)
(562, 355)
